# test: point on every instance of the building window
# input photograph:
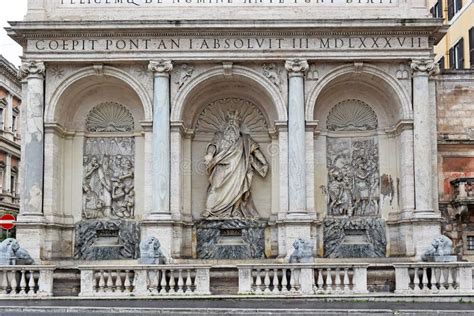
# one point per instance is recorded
(456, 55)
(471, 46)
(14, 123)
(1, 118)
(453, 7)
(13, 185)
(470, 243)
(437, 9)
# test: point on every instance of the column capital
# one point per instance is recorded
(296, 67)
(424, 67)
(31, 69)
(161, 67)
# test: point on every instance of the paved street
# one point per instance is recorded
(227, 307)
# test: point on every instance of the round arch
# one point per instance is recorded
(404, 103)
(238, 72)
(51, 109)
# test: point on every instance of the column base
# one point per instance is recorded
(31, 219)
(295, 226)
(158, 217)
(163, 230)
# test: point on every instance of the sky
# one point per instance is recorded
(10, 10)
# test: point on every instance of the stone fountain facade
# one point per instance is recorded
(227, 133)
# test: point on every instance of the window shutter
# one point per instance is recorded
(432, 11)
(460, 54)
(440, 8)
(450, 9)
(471, 46)
(458, 6)
(452, 63)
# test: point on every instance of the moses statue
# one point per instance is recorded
(232, 159)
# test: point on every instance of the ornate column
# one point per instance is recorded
(422, 136)
(161, 139)
(32, 140)
(426, 222)
(296, 132)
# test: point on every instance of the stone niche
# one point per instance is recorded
(353, 227)
(230, 239)
(107, 240)
(108, 231)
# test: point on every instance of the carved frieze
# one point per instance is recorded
(108, 184)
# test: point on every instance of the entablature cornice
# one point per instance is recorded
(336, 27)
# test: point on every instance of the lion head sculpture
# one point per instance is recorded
(303, 252)
(11, 253)
(440, 246)
(150, 252)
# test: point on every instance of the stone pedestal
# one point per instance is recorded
(354, 237)
(230, 239)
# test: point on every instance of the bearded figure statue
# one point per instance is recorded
(232, 159)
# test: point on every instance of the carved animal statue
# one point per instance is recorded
(303, 252)
(11, 253)
(150, 252)
(440, 246)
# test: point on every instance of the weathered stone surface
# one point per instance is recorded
(361, 237)
(230, 239)
(303, 252)
(150, 252)
(107, 240)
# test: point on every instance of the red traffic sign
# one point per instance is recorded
(7, 221)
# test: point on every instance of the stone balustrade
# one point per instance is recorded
(463, 189)
(141, 281)
(433, 278)
(303, 279)
(29, 281)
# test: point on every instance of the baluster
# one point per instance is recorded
(127, 283)
(425, 279)
(258, 283)
(436, 278)
(320, 280)
(22, 282)
(450, 279)
(154, 277)
(101, 281)
(163, 284)
(284, 282)
(118, 282)
(180, 282)
(266, 281)
(328, 280)
(189, 282)
(172, 282)
(337, 280)
(442, 279)
(109, 287)
(4, 288)
(31, 284)
(292, 280)
(416, 281)
(13, 284)
(347, 288)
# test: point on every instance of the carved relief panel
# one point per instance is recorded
(109, 162)
(353, 161)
